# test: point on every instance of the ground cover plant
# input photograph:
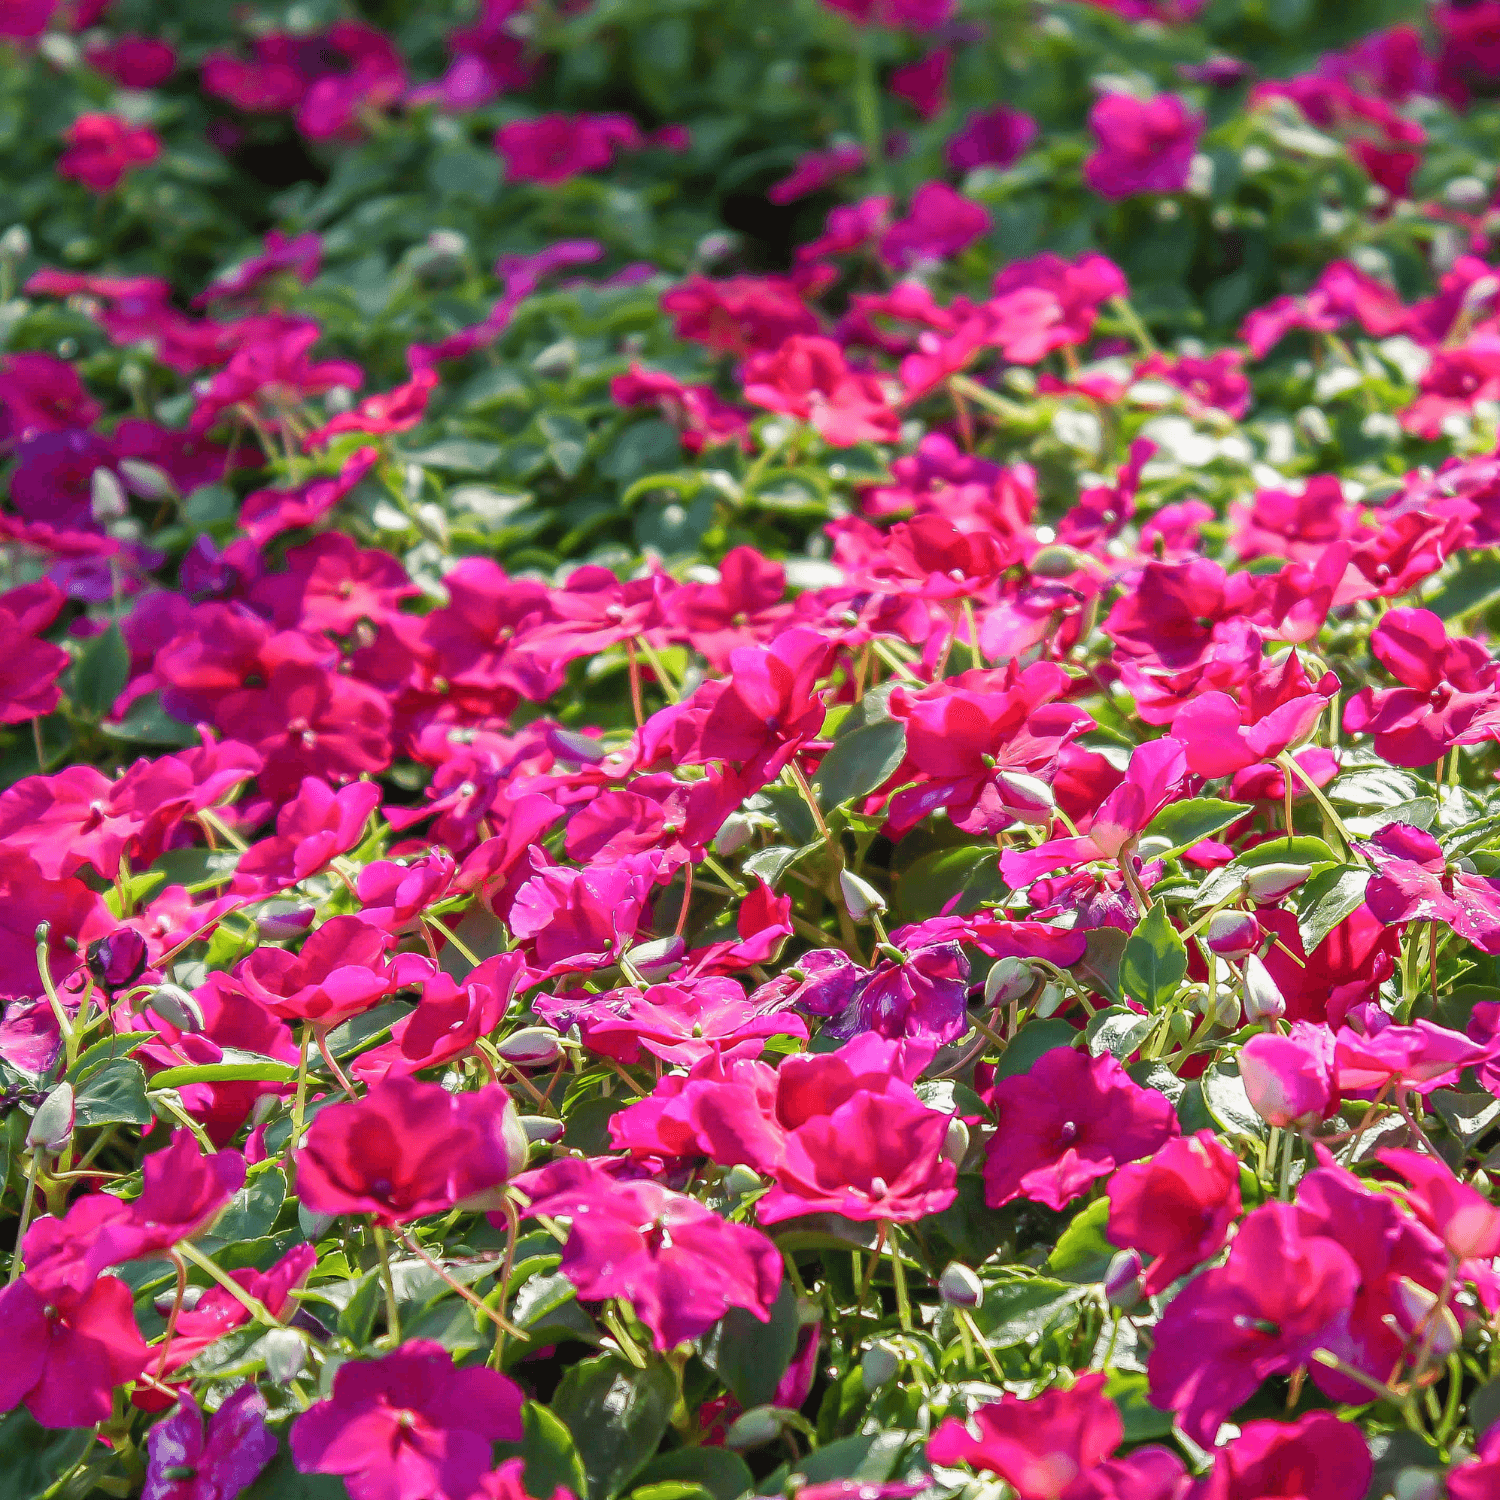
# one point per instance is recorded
(750, 750)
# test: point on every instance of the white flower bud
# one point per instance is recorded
(51, 1126)
(860, 897)
(958, 1286)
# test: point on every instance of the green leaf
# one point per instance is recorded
(860, 761)
(1082, 1253)
(725, 1475)
(1116, 1030)
(1143, 1421)
(1228, 1103)
(1028, 1044)
(1323, 901)
(1474, 585)
(91, 1059)
(567, 441)
(1183, 824)
(1155, 961)
(33, 1457)
(100, 673)
(1021, 1308)
(617, 1415)
(252, 1211)
(749, 1356)
(148, 723)
(281, 1481)
(247, 1067)
(548, 1450)
(456, 456)
(114, 1095)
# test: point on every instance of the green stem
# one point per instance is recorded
(898, 1273)
(867, 105)
(392, 1314)
(299, 1105)
(26, 1204)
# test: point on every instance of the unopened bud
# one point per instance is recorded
(531, 1047)
(1266, 883)
(958, 1286)
(1313, 426)
(285, 1354)
(1233, 934)
(176, 1007)
(146, 480)
(879, 1365)
(191, 1297)
(15, 243)
(289, 922)
(106, 496)
(734, 835)
(1124, 1284)
(1263, 999)
(52, 1125)
(955, 1143)
(542, 1128)
(658, 958)
(1010, 979)
(1026, 798)
(741, 1179)
(1180, 1027)
(1418, 1484)
(1056, 561)
(753, 1429)
(1423, 1320)
(860, 897)
(118, 959)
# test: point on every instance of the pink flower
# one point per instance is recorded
(312, 828)
(808, 378)
(1422, 1056)
(1477, 1479)
(134, 62)
(1041, 1446)
(939, 224)
(408, 1149)
(1177, 1207)
(300, 256)
(920, 15)
(186, 1463)
(1145, 145)
(1276, 708)
(396, 410)
(742, 313)
(1067, 1121)
(340, 972)
(103, 148)
(994, 137)
(1342, 294)
(41, 393)
(815, 170)
(66, 1350)
(1289, 1079)
(552, 148)
(409, 1426)
(269, 374)
(1415, 884)
(924, 84)
(1317, 1457)
(680, 1265)
(583, 919)
(1467, 1223)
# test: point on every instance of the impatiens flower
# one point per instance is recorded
(552, 148)
(808, 378)
(583, 919)
(1317, 1457)
(66, 1350)
(408, 1149)
(990, 138)
(939, 224)
(1177, 1207)
(1289, 1079)
(1145, 145)
(103, 148)
(409, 1426)
(185, 1462)
(920, 15)
(679, 1265)
(924, 84)
(816, 170)
(218, 1311)
(1422, 1056)
(1279, 1296)
(396, 410)
(741, 313)
(921, 995)
(1067, 1121)
(1414, 884)
(1467, 1223)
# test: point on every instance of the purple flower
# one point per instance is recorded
(186, 1463)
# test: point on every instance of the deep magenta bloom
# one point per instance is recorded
(1415, 884)
(991, 138)
(1466, 1222)
(103, 148)
(1422, 1056)
(1316, 1458)
(1176, 1209)
(409, 1426)
(679, 1264)
(552, 148)
(1068, 1121)
(341, 971)
(938, 224)
(219, 1462)
(1145, 145)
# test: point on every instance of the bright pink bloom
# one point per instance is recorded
(743, 313)
(814, 170)
(1289, 1079)
(396, 410)
(300, 256)
(994, 137)
(103, 148)
(1067, 1121)
(1415, 884)
(583, 919)
(340, 972)
(409, 1425)
(1422, 1056)
(920, 15)
(134, 62)
(1466, 1222)
(1276, 708)
(1317, 1457)
(552, 148)
(924, 84)
(1478, 1479)
(1176, 1209)
(408, 1149)
(314, 827)
(219, 1462)
(939, 224)
(41, 393)
(489, 58)
(680, 1265)
(808, 378)
(1145, 145)
(270, 374)
(218, 1311)
(1342, 294)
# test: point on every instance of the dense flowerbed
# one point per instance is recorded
(750, 749)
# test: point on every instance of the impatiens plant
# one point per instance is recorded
(750, 753)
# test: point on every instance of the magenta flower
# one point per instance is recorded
(814, 170)
(1422, 1056)
(920, 15)
(341, 971)
(990, 138)
(409, 1426)
(1279, 1296)
(1176, 1209)
(1276, 708)
(552, 148)
(808, 378)
(1289, 1079)
(66, 1350)
(920, 995)
(1415, 884)
(185, 1462)
(1317, 1457)
(1145, 145)
(408, 1149)
(583, 919)
(679, 1264)
(939, 223)
(1066, 1122)
(1466, 1222)
(103, 148)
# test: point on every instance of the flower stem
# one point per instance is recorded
(392, 1313)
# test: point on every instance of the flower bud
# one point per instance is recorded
(1233, 934)
(753, 1429)
(176, 1007)
(1124, 1282)
(1057, 561)
(278, 926)
(15, 243)
(860, 897)
(1026, 798)
(146, 480)
(542, 1128)
(1008, 980)
(531, 1047)
(51, 1126)
(1267, 883)
(956, 1142)
(879, 1365)
(734, 835)
(658, 958)
(106, 496)
(1421, 1319)
(285, 1354)
(741, 1179)
(1263, 1000)
(191, 1297)
(118, 959)
(958, 1286)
